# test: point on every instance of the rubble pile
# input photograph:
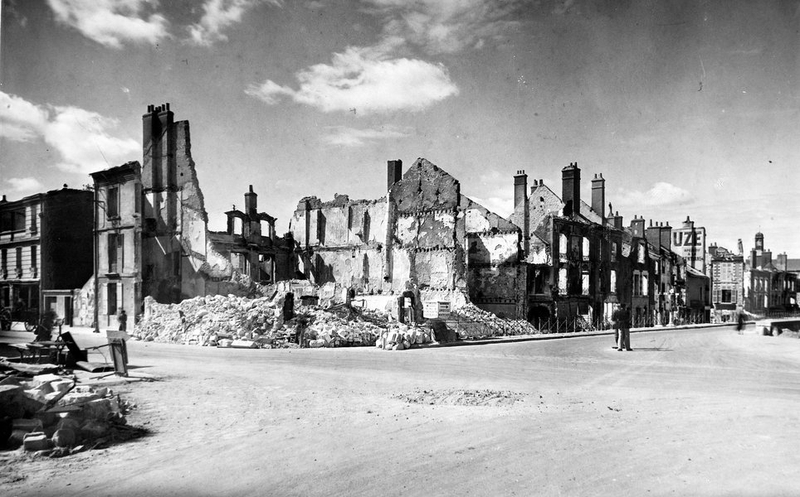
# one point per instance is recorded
(401, 336)
(336, 327)
(475, 322)
(204, 320)
(51, 413)
(259, 323)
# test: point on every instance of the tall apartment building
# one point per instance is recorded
(45, 250)
(117, 242)
(727, 283)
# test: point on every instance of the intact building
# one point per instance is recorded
(727, 283)
(45, 251)
(768, 288)
(117, 281)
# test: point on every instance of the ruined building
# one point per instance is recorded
(423, 233)
(152, 237)
(260, 255)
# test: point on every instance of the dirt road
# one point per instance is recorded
(705, 412)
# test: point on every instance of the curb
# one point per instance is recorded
(556, 336)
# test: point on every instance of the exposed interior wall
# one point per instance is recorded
(415, 236)
(174, 241)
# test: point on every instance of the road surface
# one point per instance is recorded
(690, 412)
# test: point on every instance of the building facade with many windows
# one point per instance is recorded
(45, 251)
(117, 243)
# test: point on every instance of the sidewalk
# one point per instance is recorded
(554, 336)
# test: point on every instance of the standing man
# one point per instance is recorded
(123, 320)
(624, 323)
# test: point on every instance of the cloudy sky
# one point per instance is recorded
(687, 108)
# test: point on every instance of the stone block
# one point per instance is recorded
(35, 441)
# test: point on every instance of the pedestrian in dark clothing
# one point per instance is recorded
(123, 320)
(615, 324)
(622, 318)
(740, 323)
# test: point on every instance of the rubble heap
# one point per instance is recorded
(401, 336)
(201, 320)
(52, 413)
(224, 320)
(474, 322)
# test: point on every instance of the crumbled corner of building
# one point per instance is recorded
(267, 322)
(50, 414)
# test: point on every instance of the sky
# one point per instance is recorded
(687, 108)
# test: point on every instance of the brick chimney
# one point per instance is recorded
(653, 234)
(520, 189)
(637, 226)
(599, 197)
(394, 173)
(571, 189)
(157, 148)
(666, 236)
(251, 203)
(618, 221)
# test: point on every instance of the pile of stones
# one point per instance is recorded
(50, 414)
(486, 324)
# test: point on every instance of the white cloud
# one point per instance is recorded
(352, 137)
(19, 119)
(81, 137)
(447, 26)
(112, 22)
(218, 15)
(24, 184)
(365, 80)
(661, 194)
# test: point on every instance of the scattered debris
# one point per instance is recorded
(52, 415)
(462, 397)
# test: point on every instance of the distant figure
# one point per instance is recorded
(740, 324)
(44, 331)
(622, 318)
(615, 324)
(123, 320)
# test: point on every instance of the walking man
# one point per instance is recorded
(123, 320)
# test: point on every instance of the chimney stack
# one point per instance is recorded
(571, 189)
(653, 234)
(520, 189)
(251, 203)
(637, 226)
(394, 173)
(599, 197)
(666, 236)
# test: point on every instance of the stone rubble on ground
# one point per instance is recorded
(241, 322)
(489, 324)
(52, 413)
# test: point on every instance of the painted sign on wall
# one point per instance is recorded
(690, 243)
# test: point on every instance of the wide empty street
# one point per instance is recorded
(687, 412)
